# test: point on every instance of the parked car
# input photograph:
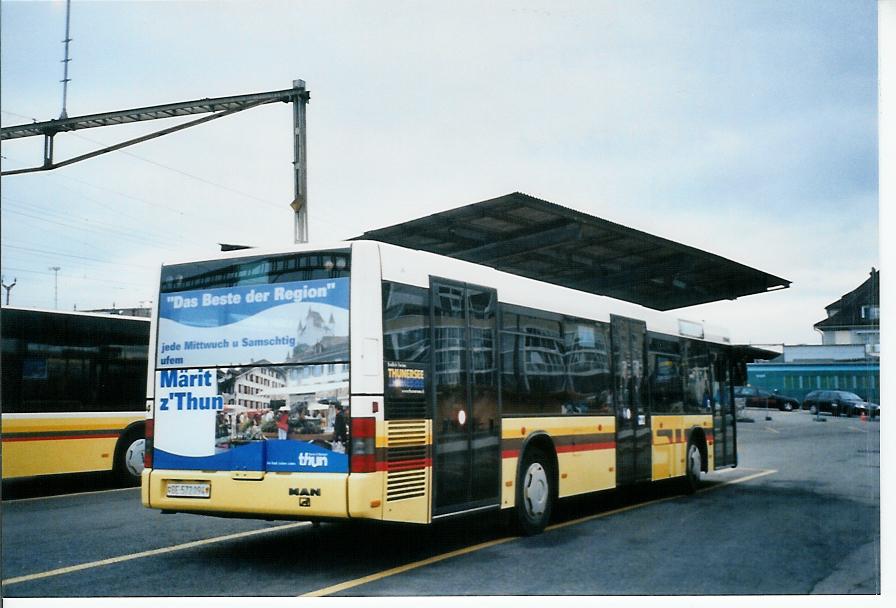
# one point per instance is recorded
(872, 410)
(757, 397)
(839, 403)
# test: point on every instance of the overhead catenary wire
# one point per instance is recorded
(76, 277)
(89, 230)
(75, 256)
(185, 173)
(80, 221)
(153, 205)
(203, 180)
(98, 228)
(112, 207)
(332, 221)
(31, 118)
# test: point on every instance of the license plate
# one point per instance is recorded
(189, 490)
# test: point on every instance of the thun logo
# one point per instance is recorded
(307, 459)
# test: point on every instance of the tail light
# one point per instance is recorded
(149, 433)
(363, 446)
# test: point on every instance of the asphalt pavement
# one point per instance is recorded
(799, 515)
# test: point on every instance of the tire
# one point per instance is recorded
(534, 493)
(788, 407)
(129, 458)
(693, 465)
(813, 410)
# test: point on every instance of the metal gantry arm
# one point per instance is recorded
(48, 142)
(217, 107)
(171, 110)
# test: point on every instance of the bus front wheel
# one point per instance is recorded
(534, 493)
(129, 458)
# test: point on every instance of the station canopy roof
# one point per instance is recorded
(530, 237)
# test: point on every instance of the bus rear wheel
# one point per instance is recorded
(534, 493)
(129, 458)
(693, 467)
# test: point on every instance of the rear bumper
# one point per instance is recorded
(268, 495)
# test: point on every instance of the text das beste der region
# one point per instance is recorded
(254, 296)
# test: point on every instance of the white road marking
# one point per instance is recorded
(463, 551)
(17, 500)
(150, 553)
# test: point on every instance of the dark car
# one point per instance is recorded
(757, 397)
(839, 403)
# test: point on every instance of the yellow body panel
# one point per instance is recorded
(406, 485)
(359, 495)
(668, 454)
(275, 494)
(587, 471)
(365, 495)
(705, 422)
(46, 444)
(508, 482)
(413, 510)
(568, 425)
(586, 455)
(670, 437)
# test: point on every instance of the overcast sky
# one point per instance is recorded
(748, 129)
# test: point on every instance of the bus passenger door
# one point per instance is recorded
(633, 437)
(466, 422)
(724, 413)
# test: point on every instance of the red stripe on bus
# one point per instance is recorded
(61, 437)
(587, 447)
(582, 447)
(404, 465)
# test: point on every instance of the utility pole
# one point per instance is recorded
(8, 288)
(65, 78)
(55, 270)
(300, 162)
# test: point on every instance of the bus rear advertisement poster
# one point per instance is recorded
(250, 377)
(278, 323)
(284, 423)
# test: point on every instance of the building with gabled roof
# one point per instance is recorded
(848, 359)
(855, 318)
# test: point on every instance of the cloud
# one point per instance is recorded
(747, 129)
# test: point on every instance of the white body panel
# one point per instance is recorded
(366, 321)
(415, 267)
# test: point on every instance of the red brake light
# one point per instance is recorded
(149, 433)
(363, 445)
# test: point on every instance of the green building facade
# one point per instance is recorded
(797, 379)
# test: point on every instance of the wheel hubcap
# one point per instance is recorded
(133, 457)
(694, 461)
(535, 490)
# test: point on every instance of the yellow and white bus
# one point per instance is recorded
(73, 392)
(365, 380)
